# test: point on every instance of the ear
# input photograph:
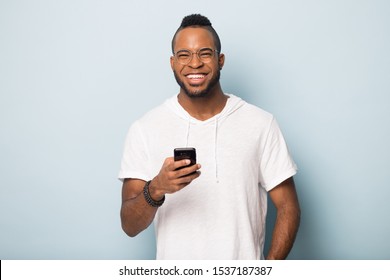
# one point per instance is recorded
(221, 61)
(172, 61)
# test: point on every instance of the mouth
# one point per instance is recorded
(196, 79)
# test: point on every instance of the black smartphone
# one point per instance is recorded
(185, 153)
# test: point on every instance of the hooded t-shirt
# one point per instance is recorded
(221, 214)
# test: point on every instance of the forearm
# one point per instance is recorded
(136, 215)
(284, 233)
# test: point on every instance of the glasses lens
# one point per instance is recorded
(205, 55)
(183, 56)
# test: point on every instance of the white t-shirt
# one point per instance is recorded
(221, 214)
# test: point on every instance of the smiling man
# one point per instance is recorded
(218, 212)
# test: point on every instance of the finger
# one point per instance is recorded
(183, 182)
(181, 163)
(187, 179)
(188, 170)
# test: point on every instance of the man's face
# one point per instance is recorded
(197, 78)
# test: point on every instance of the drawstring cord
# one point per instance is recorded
(188, 131)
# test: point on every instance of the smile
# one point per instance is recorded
(196, 76)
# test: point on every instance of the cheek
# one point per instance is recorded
(177, 68)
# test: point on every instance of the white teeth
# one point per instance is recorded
(195, 76)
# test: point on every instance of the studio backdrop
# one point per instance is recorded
(74, 75)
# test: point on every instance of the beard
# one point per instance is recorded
(197, 93)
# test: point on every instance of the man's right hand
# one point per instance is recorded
(171, 180)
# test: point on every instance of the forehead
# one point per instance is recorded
(194, 38)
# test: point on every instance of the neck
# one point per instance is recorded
(205, 107)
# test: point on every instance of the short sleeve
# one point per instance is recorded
(276, 164)
(134, 162)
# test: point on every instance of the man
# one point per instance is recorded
(217, 210)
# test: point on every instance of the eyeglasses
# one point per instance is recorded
(184, 57)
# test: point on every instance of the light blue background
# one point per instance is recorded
(75, 74)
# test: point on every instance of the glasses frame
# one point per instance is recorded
(192, 55)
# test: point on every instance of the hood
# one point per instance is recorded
(233, 103)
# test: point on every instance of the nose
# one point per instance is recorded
(195, 62)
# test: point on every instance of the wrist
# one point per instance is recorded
(155, 194)
(149, 199)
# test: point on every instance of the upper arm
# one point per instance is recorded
(285, 195)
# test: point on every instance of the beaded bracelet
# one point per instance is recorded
(149, 199)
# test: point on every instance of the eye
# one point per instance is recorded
(206, 53)
(183, 54)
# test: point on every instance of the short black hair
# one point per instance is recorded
(197, 20)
